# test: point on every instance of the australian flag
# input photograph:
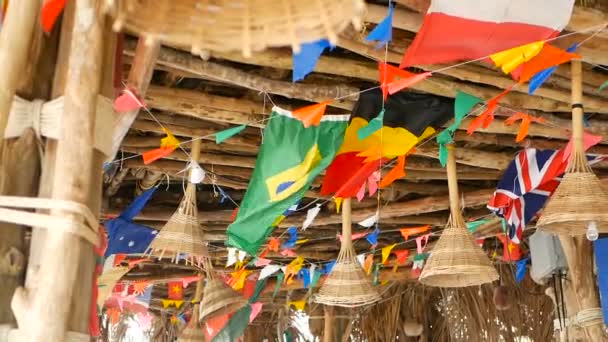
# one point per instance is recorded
(127, 237)
(526, 185)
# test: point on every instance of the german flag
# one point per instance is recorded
(408, 119)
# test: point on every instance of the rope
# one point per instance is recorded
(584, 318)
(72, 224)
(45, 119)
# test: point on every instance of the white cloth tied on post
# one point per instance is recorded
(45, 119)
(86, 228)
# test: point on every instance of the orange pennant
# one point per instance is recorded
(524, 127)
(398, 171)
(156, 154)
(403, 83)
(485, 118)
(548, 57)
(139, 287)
(311, 115)
(389, 73)
(367, 265)
(406, 232)
(274, 244)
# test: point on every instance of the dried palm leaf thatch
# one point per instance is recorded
(385, 314)
(469, 314)
(218, 298)
(579, 199)
(456, 260)
(347, 285)
(182, 234)
(233, 25)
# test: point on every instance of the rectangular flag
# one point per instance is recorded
(470, 29)
(526, 185)
(289, 159)
(408, 118)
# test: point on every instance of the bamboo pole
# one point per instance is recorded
(328, 329)
(15, 39)
(44, 314)
(579, 250)
(452, 183)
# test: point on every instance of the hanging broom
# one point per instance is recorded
(456, 260)
(193, 332)
(576, 206)
(182, 234)
(347, 285)
(218, 298)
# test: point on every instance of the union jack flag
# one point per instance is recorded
(527, 184)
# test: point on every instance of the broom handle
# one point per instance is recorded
(347, 239)
(198, 295)
(195, 151)
(577, 107)
(452, 182)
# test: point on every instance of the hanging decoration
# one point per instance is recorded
(304, 62)
(292, 269)
(509, 60)
(383, 32)
(311, 214)
(520, 272)
(407, 232)
(386, 251)
(370, 221)
(222, 136)
(127, 101)
(168, 144)
(51, 9)
(485, 118)
(175, 290)
(397, 172)
(368, 263)
(311, 115)
(549, 57)
(373, 126)
(526, 119)
(401, 258)
(589, 140)
(393, 79)
(372, 237)
(542, 76)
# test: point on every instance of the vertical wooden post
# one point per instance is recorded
(579, 250)
(44, 314)
(139, 79)
(328, 329)
(15, 40)
(452, 182)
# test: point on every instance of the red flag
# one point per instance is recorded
(403, 83)
(311, 115)
(175, 290)
(389, 73)
(127, 101)
(51, 9)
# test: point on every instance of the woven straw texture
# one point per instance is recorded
(578, 200)
(347, 285)
(182, 234)
(233, 25)
(106, 282)
(219, 299)
(456, 260)
(192, 333)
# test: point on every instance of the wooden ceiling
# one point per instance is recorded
(194, 97)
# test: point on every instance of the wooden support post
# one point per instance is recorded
(579, 250)
(15, 40)
(44, 314)
(328, 330)
(139, 79)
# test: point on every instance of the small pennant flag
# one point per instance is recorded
(520, 272)
(127, 101)
(51, 9)
(293, 268)
(311, 115)
(372, 238)
(367, 265)
(548, 57)
(231, 256)
(259, 262)
(397, 172)
(298, 304)
(228, 133)
(373, 126)
(510, 59)
(156, 154)
(169, 141)
(311, 214)
(383, 32)
(462, 106)
(589, 140)
(485, 118)
(403, 83)
(386, 251)
(443, 139)
(305, 60)
(421, 242)
(175, 290)
(524, 127)
(370, 221)
(268, 270)
(539, 78)
(407, 232)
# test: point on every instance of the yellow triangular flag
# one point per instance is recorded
(298, 304)
(338, 201)
(292, 269)
(510, 59)
(166, 303)
(178, 303)
(386, 251)
(169, 141)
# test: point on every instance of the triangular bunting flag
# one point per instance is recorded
(524, 127)
(311, 214)
(373, 125)
(589, 140)
(407, 232)
(311, 115)
(397, 172)
(403, 83)
(485, 118)
(228, 133)
(548, 57)
(537, 80)
(462, 106)
(51, 9)
(127, 101)
(383, 32)
(305, 60)
(386, 251)
(510, 59)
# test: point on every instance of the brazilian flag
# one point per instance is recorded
(290, 157)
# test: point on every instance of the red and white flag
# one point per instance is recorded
(470, 29)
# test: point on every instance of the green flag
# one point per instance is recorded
(289, 159)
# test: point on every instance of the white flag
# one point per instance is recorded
(231, 256)
(268, 270)
(310, 216)
(370, 221)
